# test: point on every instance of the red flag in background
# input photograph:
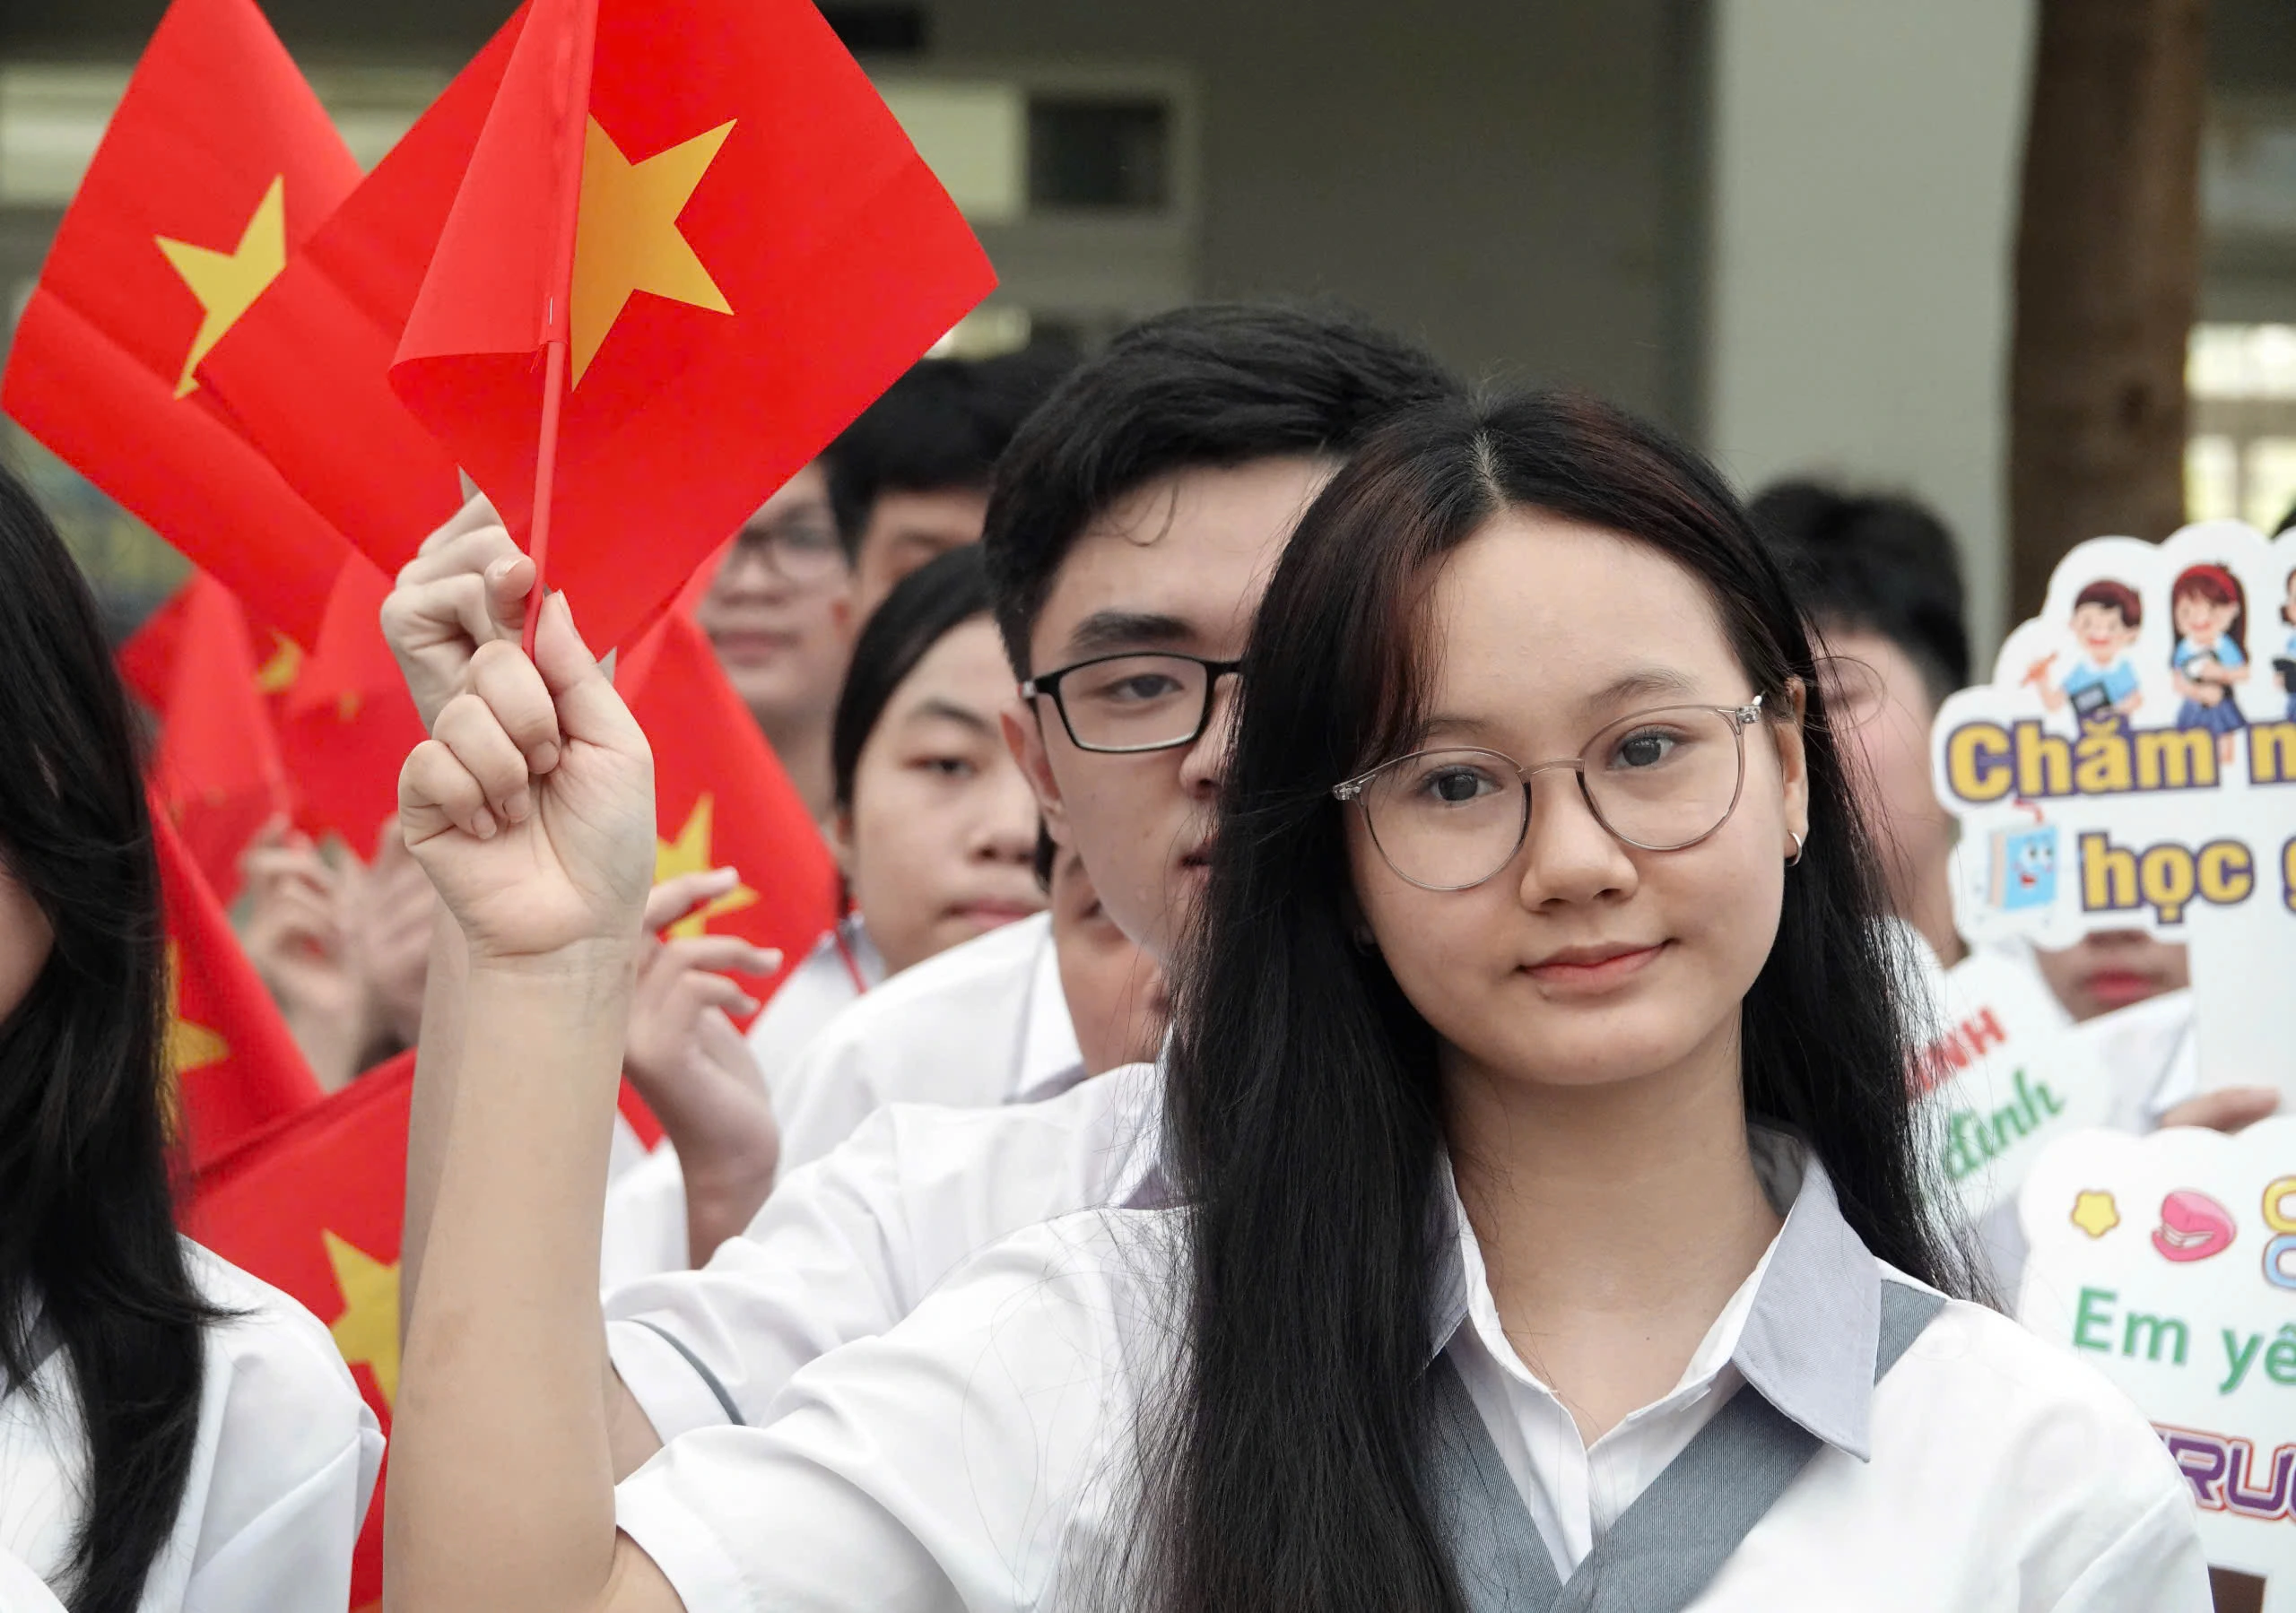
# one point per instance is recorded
(327, 417)
(218, 163)
(235, 1066)
(348, 723)
(314, 1206)
(217, 770)
(727, 239)
(721, 799)
(147, 660)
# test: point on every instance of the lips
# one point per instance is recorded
(2117, 988)
(2192, 1226)
(1595, 968)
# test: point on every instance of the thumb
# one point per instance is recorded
(588, 708)
(2226, 1109)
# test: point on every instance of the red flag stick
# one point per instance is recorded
(573, 121)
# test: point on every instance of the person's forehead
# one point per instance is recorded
(1196, 546)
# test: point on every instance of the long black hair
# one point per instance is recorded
(89, 1254)
(924, 608)
(1305, 1123)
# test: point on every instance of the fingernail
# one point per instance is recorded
(519, 805)
(764, 961)
(484, 824)
(725, 876)
(750, 1005)
(545, 758)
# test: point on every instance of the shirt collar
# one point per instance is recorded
(1809, 1341)
(1050, 1060)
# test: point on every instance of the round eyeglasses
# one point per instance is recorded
(1120, 705)
(1660, 780)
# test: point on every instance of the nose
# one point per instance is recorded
(1006, 830)
(1204, 764)
(1568, 856)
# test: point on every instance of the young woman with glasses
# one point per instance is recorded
(1545, 1221)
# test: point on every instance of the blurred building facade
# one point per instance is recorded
(1782, 227)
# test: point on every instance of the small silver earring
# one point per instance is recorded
(1795, 860)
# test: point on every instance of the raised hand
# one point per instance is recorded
(693, 1068)
(467, 586)
(532, 804)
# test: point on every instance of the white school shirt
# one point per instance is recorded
(282, 1470)
(981, 1024)
(979, 1456)
(645, 1230)
(851, 1243)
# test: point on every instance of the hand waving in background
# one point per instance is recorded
(694, 1068)
(532, 804)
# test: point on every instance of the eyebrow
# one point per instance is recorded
(1110, 631)
(949, 711)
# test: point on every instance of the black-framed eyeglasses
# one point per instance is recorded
(1659, 780)
(1121, 705)
(803, 549)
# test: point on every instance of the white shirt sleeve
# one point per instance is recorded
(2156, 1565)
(286, 1464)
(22, 1590)
(961, 1460)
(821, 1265)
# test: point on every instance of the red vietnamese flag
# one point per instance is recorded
(218, 161)
(314, 1206)
(235, 1066)
(217, 770)
(346, 726)
(727, 242)
(329, 420)
(147, 660)
(721, 800)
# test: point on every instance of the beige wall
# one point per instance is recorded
(1864, 186)
(1490, 175)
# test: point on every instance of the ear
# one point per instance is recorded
(1025, 737)
(1793, 760)
(840, 841)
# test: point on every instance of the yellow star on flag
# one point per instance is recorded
(626, 235)
(2095, 1213)
(227, 283)
(368, 1330)
(689, 854)
(189, 1046)
(277, 674)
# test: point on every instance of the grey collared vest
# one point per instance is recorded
(1666, 1547)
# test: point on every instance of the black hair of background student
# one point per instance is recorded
(88, 1238)
(1303, 1112)
(1213, 385)
(923, 608)
(1873, 563)
(940, 425)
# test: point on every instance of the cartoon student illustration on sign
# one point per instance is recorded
(2102, 687)
(2209, 613)
(2283, 665)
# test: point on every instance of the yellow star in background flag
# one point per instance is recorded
(277, 675)
(189, 1046)
(368, 1330)
(626, 235)
(2095, 1213)
(227, 283)
(689, 854)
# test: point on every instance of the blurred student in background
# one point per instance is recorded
(1880, 578)
(933, 828)
(909, 480)
(780, 614)
(173, 1433)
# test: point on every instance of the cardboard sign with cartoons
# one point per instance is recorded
(2168, 1262)
(2133, 765)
